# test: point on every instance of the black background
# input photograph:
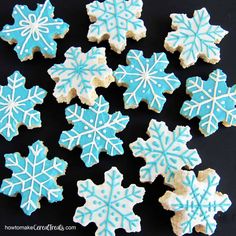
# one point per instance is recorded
(217, 151)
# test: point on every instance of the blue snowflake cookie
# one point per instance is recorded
(109, 205)
(195, 202)
(116, 20)
(212, 101)
(33, 177)
(194, 38)
(94, 130)
(165, 152)
(146, 80)
(17, 106)
(81, 74)
(34, 31)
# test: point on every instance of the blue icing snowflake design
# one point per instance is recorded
(109, 205)
(117, 19)
(81, 74)
(165, 152)
(34, 31)
(146, 80)
(212, 101)
(17, 106)
(195, 202)
(194, 38)
(33, 177)
(94, 131)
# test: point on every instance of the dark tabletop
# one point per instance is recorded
(217, 151)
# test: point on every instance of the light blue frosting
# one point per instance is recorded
(146, 80)
(17, 106)
(34, 30)
(94, 131)
(33, 177)
(212, 101)
(109, 205)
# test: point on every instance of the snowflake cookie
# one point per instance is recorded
(165, 152)
(194, 38)
(195, 201)
(34, 31)
(34, 177)
(17, 106)
(146, 80)
(109, 205)
(80, 74)
(116, 20)
(94, 130)
(212, 102)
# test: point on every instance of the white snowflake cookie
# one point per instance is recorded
(109, 205)
(116, 20)
(165, 152)
(195, 202)
(194, 38)
(34, 31)
(80, 75)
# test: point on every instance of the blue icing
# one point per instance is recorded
(195, 37)
(109, 205)
(34, 30)
(200, 204)
(94, 131)
(33, 177)
(17, 106)
(165, 152)
(212, 101)
(118, 19)
(146, 80)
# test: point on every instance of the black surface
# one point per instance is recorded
(216, 151)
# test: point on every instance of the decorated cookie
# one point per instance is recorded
(212, 101)
(80, 75)
(146, 80)
(33, 177)
(17, 106)
(194, 38)
(165, 152)
(94, 130)
(116, 20)
(109, 205)
(34, 31)
(195, 202)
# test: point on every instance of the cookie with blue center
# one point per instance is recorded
(17, 106)
(212, 101)
(33, 177)
(34, 30)
(146, 80)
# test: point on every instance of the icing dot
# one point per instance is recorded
(159, 85)
(217, 109)
(45, 48)
(98, 138)
(132, 66)
(143, 91)
(86, 127)
(209, 90)
(100, 215)
(131, 81)
(22, 7)
(51, 44)
(26, 50)
(91, 120)
(222, 102)
(202, 97)
(219, 91)
(15, 12)
(18, 47)
(104, 131)
(100, 122)
(58, 27)
(7, 27)
(89, 136)
(208, 106)
(8, 34)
